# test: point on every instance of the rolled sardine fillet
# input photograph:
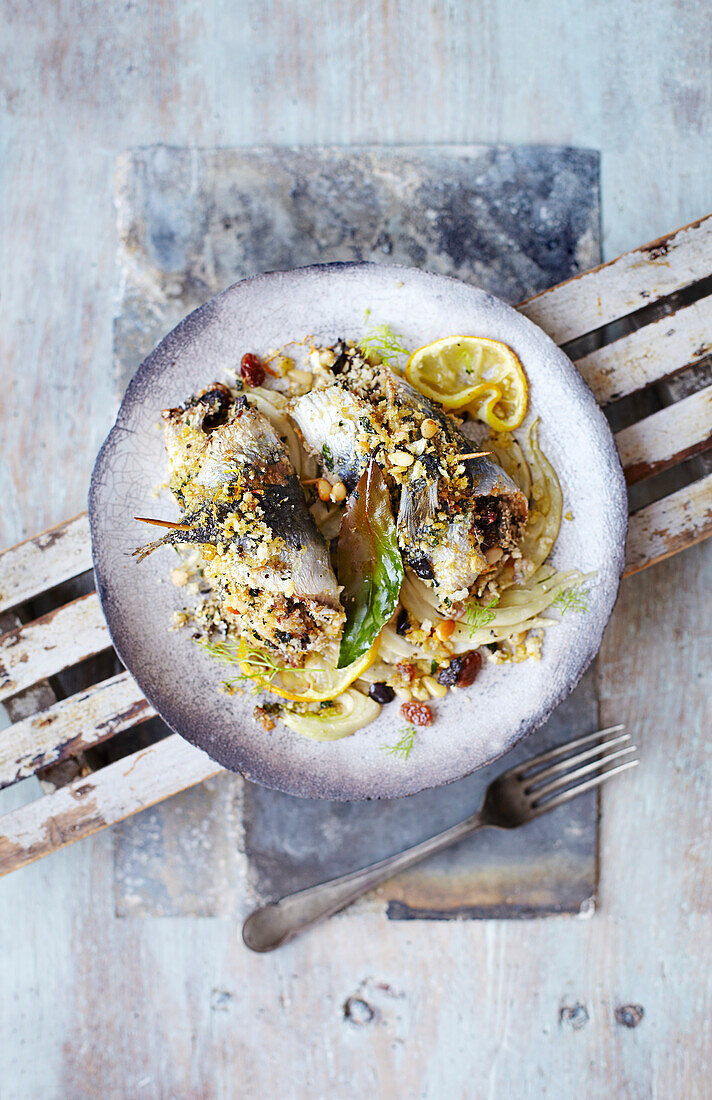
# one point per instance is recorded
(243, 504)
(453, 514)
(341, 429)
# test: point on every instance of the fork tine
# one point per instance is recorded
(596, 781)
(520, 770)
(572, 761)
(592, 766)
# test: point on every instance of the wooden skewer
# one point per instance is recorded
(165, 523)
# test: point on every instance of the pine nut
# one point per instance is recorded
(429, 428)
(301, 377)
(420, 691)
(493, 554)
(401, 458)
(444, 630)
(403, 694)
(323, 488)
(436, 690)
(339, 492)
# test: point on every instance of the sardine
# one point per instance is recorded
(452, 511)
(243, 503)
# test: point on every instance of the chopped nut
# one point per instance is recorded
(404, 694)
(179, 577)
(429, 428)
(401, 458)
(323, 488)
(420, 692)
(435, 690)
(301, 377)
(339, 492)
(444, 630)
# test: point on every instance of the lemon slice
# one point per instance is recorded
(315, 683)
(471, 372)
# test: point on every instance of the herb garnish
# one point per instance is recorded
(478, 616)
(572, 599)
(328, 457)
(262, 668)
(404, 746)
(383, 342)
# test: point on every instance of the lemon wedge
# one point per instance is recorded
(470, 372)
(315, 683)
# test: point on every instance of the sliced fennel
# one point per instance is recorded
(350, 712)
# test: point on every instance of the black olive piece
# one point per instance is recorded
(422, 568)
(341, 359)
(491, 646)
(381, 693)
(402, 622)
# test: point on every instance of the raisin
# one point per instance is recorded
(252, 370)
(381, 693)
(419, 714)
(462, 670)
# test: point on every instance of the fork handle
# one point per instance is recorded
(272, 925)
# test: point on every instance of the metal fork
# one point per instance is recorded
(517, 796)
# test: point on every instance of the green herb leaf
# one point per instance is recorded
(328, 457)
(572, 599)
(404, 746)
(478, 616)
(383, 342)
(368, 564)
(261, 665)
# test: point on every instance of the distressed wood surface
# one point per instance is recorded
(54, 732)
(43, 561)
(51, 643)
(97, 1006)
(643, 275)
(656, 351)
(667, 437)
(661, 529)
(92, 802)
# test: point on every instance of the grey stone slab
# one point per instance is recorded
(513, 220)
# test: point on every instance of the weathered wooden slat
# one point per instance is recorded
(669, 525)
(667, 437)
(62, 638)
(103, 798)
(44, 561)
(650, 354)
(71, 726)
(624, 285)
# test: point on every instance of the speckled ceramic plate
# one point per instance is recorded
(473, 726)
